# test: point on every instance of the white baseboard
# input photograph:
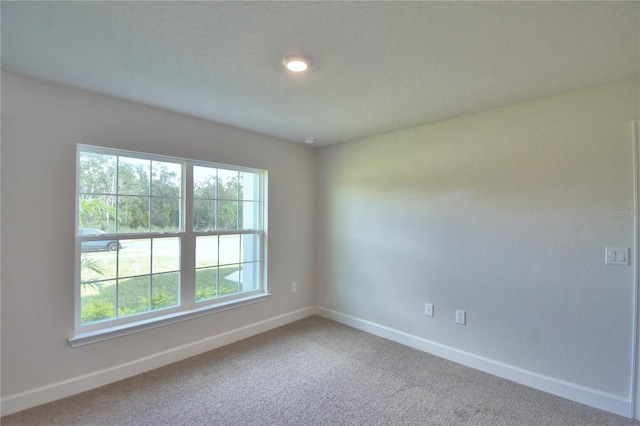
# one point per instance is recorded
(571, 391)
(34, 397)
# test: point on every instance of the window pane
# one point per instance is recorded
(166, 179)
(204, 215)
(97, 266)
(206, 251)
(249, 215)
(165, 290)
(133, 176)
(206, 283)
(166, 255)
(165, 214)
(97, 301)
(229, 249)
(134, 295)
(97, 212)
(229, 280)
(204, 182)
(227, 215)
(133, 214)
(136, 260)
(227, 184)
(250, 248)
(97, 173)
(249, 187)
(250, 276)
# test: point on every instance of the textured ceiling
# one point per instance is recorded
(376, 66)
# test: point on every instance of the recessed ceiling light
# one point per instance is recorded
(296, 63)
(309, 140)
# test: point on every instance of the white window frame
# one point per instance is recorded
(188, 307)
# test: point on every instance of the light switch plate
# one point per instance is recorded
(428, 309)
(616, 255)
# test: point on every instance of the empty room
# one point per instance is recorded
(319, 213)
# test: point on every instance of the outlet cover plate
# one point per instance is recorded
(616, 255)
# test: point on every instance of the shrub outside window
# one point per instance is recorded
(159, 235)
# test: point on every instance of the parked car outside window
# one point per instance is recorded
(99, 245)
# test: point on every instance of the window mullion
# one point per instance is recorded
(188, 243)
(240, 287)
(151, 272)
(218, 269)
(216, 200)
(117, 289)
(116, 194)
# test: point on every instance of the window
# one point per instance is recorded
(159, 236)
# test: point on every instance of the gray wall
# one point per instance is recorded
(41, 124)
(502, 214)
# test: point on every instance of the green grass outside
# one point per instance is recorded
(103, 297)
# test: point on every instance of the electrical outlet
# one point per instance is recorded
(461, 317)
(294, 287)
(428, 309)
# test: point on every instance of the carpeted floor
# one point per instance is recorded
(315, 372)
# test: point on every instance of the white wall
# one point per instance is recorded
(41, 124)
(502, 214)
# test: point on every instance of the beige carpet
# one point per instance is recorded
(314, 372)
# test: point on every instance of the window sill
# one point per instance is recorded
(95, 336)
